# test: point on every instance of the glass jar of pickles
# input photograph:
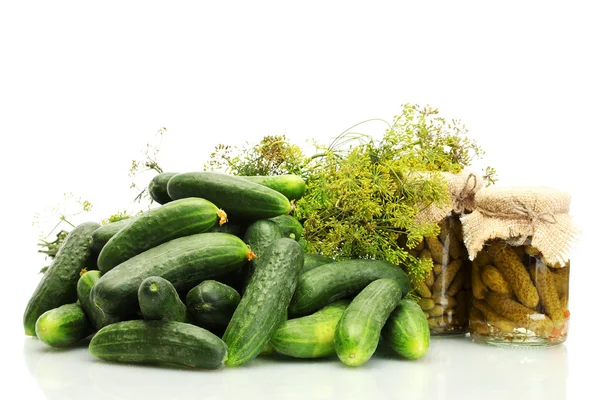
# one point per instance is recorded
(520, 239)
(446, 291)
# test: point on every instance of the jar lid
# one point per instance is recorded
(462, 188)
(516, 214)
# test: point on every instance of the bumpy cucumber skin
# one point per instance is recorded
(357, 334)
(407, 331)
(240, 198)
(159, 342)
(212, 303)
(157, 226)
(259, 236)
(310, 336)
(63, 326)
(59, 284)
(158, 187)
(84, 288)
(184, 262)
(333, 281)
(265, 301)
(158, 299)
(312, 261)
(102, 235)
(291, 186)
(290, 226)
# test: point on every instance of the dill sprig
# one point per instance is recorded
(363, 195)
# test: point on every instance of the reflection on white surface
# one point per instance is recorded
(453, 368)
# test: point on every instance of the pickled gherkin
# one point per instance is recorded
(518, 313)
(548, 293)
(477, 284)
(494, 280)
(507, 260)
(438, 253)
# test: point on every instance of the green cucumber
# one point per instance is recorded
(211, 304)
(59, 284)
(312, 261)
(259, 236)
(84, 288)
(240, 198)
(102, 235)
(310, 336)
(407, 331)
(357, 334)
(290, 227)
(63, 326)
(159, 342)
(185, 262)
(291, 186)
(157, 226)
(265, 301)
(159, 300)
(158, 187)
(329, 282)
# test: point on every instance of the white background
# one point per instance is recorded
(84, 86)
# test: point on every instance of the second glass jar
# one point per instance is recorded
(445, 292)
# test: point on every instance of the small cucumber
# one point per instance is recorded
(159, 342)
(211, 304)
(157, 226)
(102, 235)
(84, 288)
(310, 336)
(59, 284)
(240, 198)
(312, 261)
(290, 226)
(185, 262)
(158, 187)
(63, 326)
(329, 282)
(291, 186)
(407, 331)
(265, 301)
(159, 300)
(359, 329)
(259, 236)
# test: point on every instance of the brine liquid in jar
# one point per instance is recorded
(518, 297)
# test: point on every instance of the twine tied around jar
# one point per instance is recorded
(462, 188)
(466, 195)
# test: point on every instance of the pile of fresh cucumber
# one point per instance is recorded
(216, 276)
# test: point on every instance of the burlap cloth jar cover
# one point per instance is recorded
(462, 188)
(516, 214)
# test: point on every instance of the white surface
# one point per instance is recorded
(453, 368)
(83, 87)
